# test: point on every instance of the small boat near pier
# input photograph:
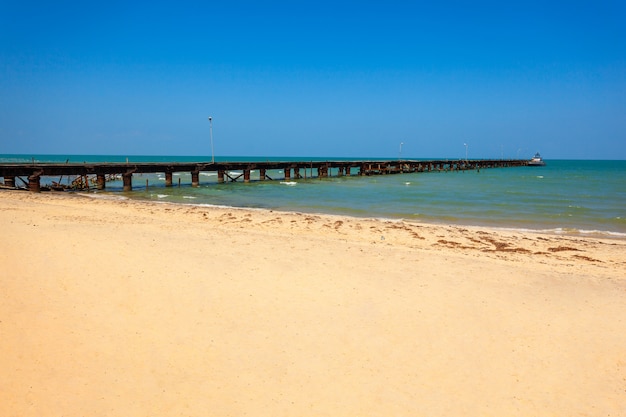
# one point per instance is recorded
(536, 161)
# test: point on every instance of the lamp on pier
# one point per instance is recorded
(211, 133)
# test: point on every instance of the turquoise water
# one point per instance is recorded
(574, 197)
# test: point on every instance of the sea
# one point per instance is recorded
(572, 197)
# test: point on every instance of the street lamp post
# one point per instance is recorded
(211, 132)
(400, 152)
(465, 151)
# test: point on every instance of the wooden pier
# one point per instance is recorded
(33, 172)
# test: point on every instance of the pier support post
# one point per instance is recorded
(246, 175)
(348, 171)
(168, 178)
(9, 181)
(287, 173)
(340, 172)
(220, 176)
(195, 178)
(100, 182)
(128, 181)
(33, 183)
(296, 173)
(262, 174)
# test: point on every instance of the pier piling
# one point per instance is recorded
(100, 182)
(33, 183)
(127, 179)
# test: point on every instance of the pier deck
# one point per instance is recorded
(290, 169)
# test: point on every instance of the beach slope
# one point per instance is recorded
(125, 308)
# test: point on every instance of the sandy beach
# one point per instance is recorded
(126, 308)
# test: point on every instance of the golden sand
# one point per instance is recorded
(124, 308)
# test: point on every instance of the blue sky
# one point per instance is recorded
(344, 79)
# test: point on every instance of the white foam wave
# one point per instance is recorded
(602, 233)
(103, 196)
(568, 232)
(290, 183)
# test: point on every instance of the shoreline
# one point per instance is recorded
(411, 226)
(137, 308)
(556, 231)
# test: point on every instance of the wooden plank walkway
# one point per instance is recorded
(291, 169)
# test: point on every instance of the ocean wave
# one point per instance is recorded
(597, 233)
(290, 183)
(225, 206)
(567, 231)
(562, 231)
(103, 196)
